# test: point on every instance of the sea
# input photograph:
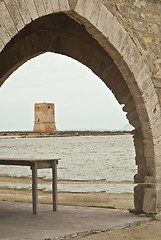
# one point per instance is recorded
(94, 163)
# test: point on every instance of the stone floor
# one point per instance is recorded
(18, 222)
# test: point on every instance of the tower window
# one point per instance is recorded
(38, 120)
(38, 107)
(48, 107)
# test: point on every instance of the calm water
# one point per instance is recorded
(82, 158)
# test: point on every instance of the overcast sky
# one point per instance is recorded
(82, 100)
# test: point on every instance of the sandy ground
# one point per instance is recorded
(148, 231)
(103, 199)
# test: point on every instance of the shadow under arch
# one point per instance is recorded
(61, 34)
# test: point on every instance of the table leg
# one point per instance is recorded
(54, 185)
(34, 188)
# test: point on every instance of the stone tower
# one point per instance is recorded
(44, 117)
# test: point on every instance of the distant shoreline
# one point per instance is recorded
(63, 133)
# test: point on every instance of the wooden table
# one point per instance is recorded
(36, 164)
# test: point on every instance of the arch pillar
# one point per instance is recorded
(110, 34)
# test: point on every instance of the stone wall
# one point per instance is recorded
(142, 19)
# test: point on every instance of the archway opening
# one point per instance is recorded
(34, 82)
(82, 100)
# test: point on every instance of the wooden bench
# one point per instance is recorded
(36, 164)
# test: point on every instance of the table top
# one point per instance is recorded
(25, 161)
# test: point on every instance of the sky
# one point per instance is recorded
(82, 100)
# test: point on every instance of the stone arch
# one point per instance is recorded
(90, 33)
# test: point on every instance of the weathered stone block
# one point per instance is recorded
(40, 7)
(151, 168)
(101, 17)
(138, 178)
(80, 7)
(32, 9)
(13, 10)
(55, 4)
(72, 4)
(108, 24)
(48, 6)
(88, 9)
(95, 12)
(1, 45)
(150, 179)
(139, 198)
(23, 11)
(6, 18)
(4, 35)
(149, 203)
(64, 5)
